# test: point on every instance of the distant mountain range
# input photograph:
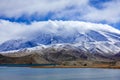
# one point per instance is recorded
(67, 38)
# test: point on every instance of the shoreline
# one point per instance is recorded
(59, 66)
(105, 67)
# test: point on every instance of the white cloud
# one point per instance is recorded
(70, 9)
(13, 30)
(9, 30)
(11, 8)
(110, 13)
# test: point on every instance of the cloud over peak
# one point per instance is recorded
(13, 30)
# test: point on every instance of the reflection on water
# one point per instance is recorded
(21, 73)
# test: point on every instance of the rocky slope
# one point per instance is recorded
(63, 55)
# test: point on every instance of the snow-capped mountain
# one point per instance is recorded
(90, 37)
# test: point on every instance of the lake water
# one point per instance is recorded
(25, 73)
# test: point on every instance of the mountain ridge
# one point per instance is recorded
(95, 38)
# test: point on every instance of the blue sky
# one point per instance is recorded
(27, 11)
